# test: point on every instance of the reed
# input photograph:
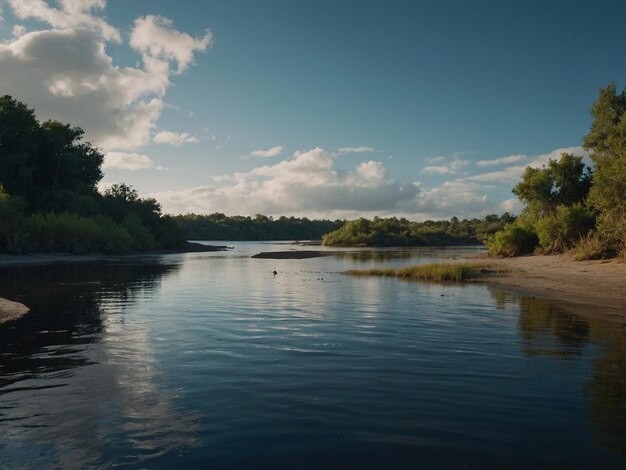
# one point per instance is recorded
(455, 272)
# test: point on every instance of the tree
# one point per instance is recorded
(607, 141)
(47, 165)
(565, 182)
(18, 146)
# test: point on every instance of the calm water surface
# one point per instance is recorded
(209, 359)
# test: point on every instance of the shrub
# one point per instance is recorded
(562, 230)
(591, 246)
(71, 233)
(514, 240)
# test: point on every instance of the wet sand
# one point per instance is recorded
(588, 288)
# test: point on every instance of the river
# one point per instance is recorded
(212, 360)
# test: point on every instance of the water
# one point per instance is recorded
(209, 359)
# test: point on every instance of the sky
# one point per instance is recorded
(326, 108)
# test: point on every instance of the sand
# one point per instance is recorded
(10, 310)
(589, 288)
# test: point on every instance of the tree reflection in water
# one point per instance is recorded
(78, 383)
(548, 330)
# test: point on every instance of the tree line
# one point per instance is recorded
(393, 231)
(218, 226)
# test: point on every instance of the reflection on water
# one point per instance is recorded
(76, 380)
(548, 330)
(210, 358)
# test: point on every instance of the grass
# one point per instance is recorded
(455, 272)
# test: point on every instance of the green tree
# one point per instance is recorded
(47, 165)
(18, 146)
(607, 142)
(563, 182)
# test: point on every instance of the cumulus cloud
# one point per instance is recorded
(452, 198)
(307, 184)
(155, 37)
(447, 169)
(127, 161)
(65, 73)
(512, 206)
(72, 14)
(503, 160)
(273, 152)
(174, 138)
(311, 184)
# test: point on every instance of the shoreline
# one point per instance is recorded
(7, 260)
(593, 289)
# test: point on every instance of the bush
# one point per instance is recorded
(514, 240)
(562, 230)
(70, 233)
(591, 246)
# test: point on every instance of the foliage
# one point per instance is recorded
(514, 240)
(570, 207)
(49, 199)
(565, 182)
(455, 272)
(218, 226)
(401, 232)
(591, 246)
(46, 164)
(562, 230)
(607, 142)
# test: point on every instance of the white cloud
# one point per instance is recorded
(512, 206)
(503, 160)
(174, 138)
(127, 161)
(452, 198)
(432, 160)
(513, 173)
(360, 149)
(307, 184)
(273, 152)
(372, 170)
(310, 184)
(72, 14)
(156, 39)
(451, 168)
(18, 30)
(65, 73)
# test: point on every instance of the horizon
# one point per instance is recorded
(336, 110)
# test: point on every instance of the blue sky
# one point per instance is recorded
(319, 108)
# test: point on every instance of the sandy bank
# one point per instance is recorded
(10, 310)
(294, 254)
(588, 288)
(50, 258)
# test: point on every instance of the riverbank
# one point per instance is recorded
(589, 288)
(50, 258)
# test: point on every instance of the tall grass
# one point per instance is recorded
(455, 272)
(68, 233)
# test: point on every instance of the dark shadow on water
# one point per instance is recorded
(78, 384)
(65, 302)
(549, 330)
